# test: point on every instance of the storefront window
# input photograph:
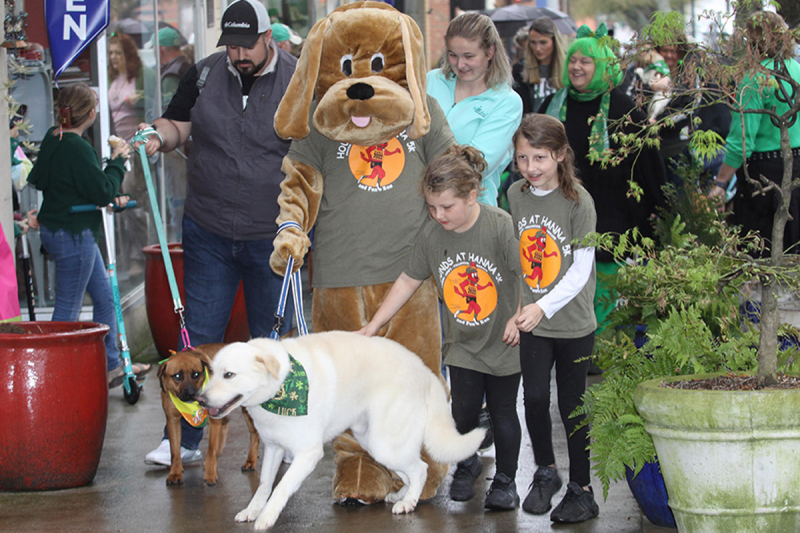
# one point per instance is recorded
(143, 72)
(135, 79)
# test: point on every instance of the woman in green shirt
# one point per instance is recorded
(760, 146)
(68, 173)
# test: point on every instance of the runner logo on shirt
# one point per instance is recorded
(376, 167)
(469, 288)
(540, 257)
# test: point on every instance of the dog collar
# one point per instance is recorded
(195, 415)
(292, 398)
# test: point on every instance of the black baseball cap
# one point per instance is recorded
(242, 23)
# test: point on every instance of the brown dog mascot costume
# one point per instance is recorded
(354, 175)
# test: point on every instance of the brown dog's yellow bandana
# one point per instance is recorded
(292, 398)
(195, 415)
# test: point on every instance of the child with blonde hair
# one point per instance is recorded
(470, 250)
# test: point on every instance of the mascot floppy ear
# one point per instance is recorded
(415, 76)
(291, 118)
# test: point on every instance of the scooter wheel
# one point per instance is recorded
(133, 396)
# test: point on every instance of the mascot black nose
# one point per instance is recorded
(360, 91)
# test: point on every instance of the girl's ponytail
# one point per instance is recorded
(472, 155)
(75, 104)
(458, 169)
(65, 117)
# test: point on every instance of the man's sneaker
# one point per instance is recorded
(162, 455)
(467, 471)
(578, 505)
(546, 483)
(485, 422)
(502, 495)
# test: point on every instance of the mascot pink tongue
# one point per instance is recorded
(356, 180)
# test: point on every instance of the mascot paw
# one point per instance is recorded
(437, 473)
(361, 479)
(290, 242)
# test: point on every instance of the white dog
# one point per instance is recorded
(373, 386)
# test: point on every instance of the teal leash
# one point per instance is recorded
(142, 135)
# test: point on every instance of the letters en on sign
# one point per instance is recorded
(71, 26)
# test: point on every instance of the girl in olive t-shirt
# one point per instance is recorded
(470, 250)
(552, 213)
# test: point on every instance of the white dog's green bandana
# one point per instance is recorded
(292, 398)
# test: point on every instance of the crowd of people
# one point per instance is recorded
(546, 118)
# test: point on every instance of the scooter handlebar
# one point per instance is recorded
(91, 207)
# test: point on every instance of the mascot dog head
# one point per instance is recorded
(365, 65)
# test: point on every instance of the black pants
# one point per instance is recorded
(537, 356)
(468, 388)
(757, 212)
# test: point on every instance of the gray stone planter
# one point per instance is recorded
(731, 460)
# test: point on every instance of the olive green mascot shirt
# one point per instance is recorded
(477, 273)
(372, 205)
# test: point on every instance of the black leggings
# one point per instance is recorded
(537, 356)
(468, 388)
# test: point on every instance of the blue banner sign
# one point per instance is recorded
(71, 26)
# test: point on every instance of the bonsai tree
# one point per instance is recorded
(758, 63)
(761, 53)
(687, 289)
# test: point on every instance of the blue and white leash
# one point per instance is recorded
(297, 293)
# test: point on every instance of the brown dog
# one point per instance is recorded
(184, 375)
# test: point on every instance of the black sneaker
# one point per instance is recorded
(502, 495)
(546, 483)
(467, 471)
(578, 505)
(485, 422)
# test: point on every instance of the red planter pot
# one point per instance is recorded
(54, 393)
(164, 322)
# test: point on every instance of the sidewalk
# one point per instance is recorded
(129, 496)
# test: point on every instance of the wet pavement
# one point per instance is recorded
(129, 496)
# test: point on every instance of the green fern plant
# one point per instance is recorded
(687, 293)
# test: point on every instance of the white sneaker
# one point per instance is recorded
(162, 455)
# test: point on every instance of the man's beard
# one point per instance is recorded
(247, 68)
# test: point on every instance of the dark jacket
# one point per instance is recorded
(609, 186)
(68, 173)
(235, 164)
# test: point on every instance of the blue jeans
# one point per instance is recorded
(80, 269)
(213, 267)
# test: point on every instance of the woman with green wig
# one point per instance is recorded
(590, 78)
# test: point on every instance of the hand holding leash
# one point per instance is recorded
(290, 276)
(291, 244)
(148, 135)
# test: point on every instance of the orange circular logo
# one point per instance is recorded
(469, 293)
(540, 257)
(378, 165)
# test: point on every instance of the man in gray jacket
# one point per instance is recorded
(226, 102)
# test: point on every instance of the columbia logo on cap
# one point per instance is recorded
(242, 23)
